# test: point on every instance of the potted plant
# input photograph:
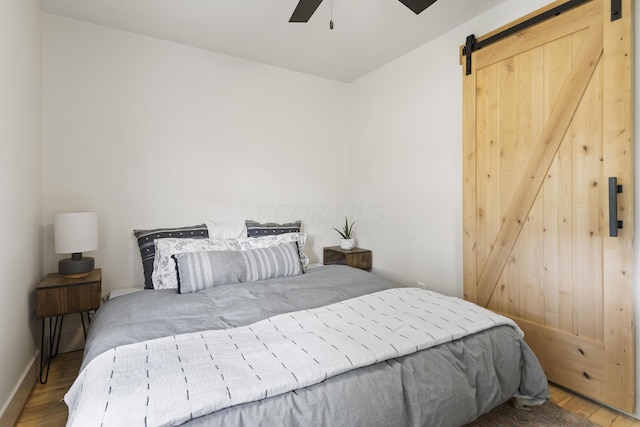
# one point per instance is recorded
(347, 242)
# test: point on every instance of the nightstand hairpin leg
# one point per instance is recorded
(84, 328)
(57, 328)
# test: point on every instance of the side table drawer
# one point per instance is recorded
(57, 295)
(56, 301)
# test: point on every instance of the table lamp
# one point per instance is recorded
(74, 233)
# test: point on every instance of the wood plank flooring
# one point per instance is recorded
(45, 406)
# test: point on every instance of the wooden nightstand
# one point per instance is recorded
(57, 296)
(356, 257)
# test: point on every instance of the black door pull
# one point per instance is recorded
(614, 190)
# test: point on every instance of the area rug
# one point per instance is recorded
(506, 415)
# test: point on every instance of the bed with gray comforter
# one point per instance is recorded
(446, 385)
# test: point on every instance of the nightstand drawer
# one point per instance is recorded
(57, 296)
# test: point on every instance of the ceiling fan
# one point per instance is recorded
(305, 8)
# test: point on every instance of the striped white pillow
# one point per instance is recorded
(276, 261)
(247, 243)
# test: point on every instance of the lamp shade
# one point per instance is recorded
(75, 232)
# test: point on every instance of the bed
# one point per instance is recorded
(449, 382)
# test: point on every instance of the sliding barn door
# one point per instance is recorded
(547, 122)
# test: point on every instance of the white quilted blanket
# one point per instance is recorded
(170, 380)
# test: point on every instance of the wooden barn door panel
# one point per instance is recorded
(545, 123)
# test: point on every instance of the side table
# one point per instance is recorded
(356, 257)
(57, 296)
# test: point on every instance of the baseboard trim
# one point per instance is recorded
(11, 411)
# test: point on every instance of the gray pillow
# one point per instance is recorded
(207, 269)
(275, 261)
(256, 229)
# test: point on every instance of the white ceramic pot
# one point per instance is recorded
(347, 244)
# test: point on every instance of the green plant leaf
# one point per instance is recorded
(347, 230)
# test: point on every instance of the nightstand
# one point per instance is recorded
(57, 296)
(356, 257)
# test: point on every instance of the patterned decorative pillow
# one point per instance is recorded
(256, 229)
(248, 243)
(164, 274)
(147, 248)
(204, 270)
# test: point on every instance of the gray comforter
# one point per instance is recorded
(447, 385)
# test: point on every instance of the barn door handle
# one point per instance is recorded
(614, 190)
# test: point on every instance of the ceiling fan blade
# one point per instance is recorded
(417, 6)
(304, 10)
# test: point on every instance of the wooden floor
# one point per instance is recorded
(46, 408)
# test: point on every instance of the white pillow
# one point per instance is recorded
(247, 243)
(231, 230)
(164, 274)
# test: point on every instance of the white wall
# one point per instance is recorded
(20, 187)
(150, 133)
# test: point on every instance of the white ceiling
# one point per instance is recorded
(367, 33)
